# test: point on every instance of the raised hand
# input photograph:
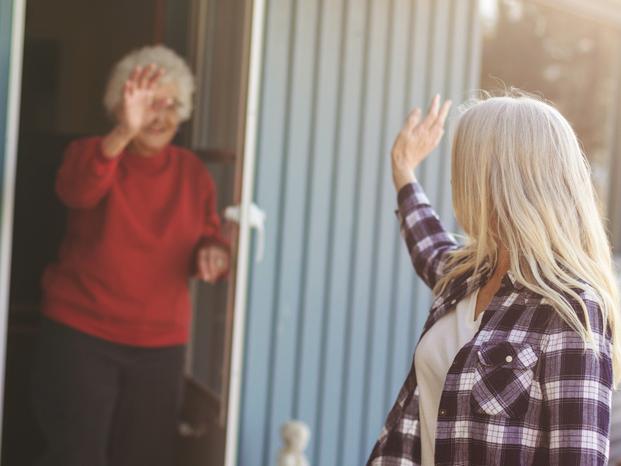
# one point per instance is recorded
(416, 140)
(138, 97)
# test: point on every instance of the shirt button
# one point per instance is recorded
(453, 301)
(509, 358)
(443, 412)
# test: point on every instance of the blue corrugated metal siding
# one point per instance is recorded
(6, 18)
(335, 309)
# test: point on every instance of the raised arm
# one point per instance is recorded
(427, 240)
(85, 175)
(425, 237)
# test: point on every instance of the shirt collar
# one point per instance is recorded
(479, 279)
(513, 280)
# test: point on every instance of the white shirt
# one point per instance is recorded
(433, 357)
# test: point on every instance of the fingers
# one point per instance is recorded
(128, 88)
(412, 120)
(446, 106)
(436, 116)
(432, 113)
(145, 77)
(155, 77)
(203, 265)
(212, 273)
(220, 261)
(134, 74)
(435, 105)
(213, 262)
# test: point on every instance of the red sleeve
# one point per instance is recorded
(212, 232)
(86, 175)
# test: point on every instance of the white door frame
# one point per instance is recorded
(8, 181)
(243, 256)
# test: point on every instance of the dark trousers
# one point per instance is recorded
(103, 404)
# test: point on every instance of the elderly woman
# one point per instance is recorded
(142, 221)
(515, 362)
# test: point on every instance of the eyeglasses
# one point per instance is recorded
(166, 105)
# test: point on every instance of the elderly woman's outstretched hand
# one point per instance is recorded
(416, 140)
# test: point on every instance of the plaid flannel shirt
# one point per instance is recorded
(524, 391)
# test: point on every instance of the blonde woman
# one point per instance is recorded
(515, 362)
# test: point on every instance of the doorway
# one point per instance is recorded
(69, 49)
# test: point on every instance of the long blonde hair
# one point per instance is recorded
(521, 180)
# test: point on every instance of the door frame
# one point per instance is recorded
(12, 21)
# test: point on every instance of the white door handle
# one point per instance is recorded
(257, 221)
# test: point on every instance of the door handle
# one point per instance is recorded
(256, 220)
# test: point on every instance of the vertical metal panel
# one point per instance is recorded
(337, 327)
(6, 18)
(12, 20)
(335, 310)
(420, 296)
(255, 423)
(386, 240)
(355, 408)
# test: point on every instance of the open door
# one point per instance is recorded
(68, 53)
(220, 48)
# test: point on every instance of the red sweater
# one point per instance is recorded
(133, 228)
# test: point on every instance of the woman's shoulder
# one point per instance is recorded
(84, 143)
(192, 164)
(186, 155)
(188, 158)
(584, 304)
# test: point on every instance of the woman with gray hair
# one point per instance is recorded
(116, 309)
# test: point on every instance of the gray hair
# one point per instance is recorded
(177, 72)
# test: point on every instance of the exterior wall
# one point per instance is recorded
(335, 309)
(6, 17)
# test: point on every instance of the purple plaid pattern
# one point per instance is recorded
(525, 391)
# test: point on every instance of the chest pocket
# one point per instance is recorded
(503, 377)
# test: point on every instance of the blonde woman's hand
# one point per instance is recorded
(416, 140)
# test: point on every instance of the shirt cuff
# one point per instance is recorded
(412, 193)
(215, 241)
(409, 197)
(102, 165)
